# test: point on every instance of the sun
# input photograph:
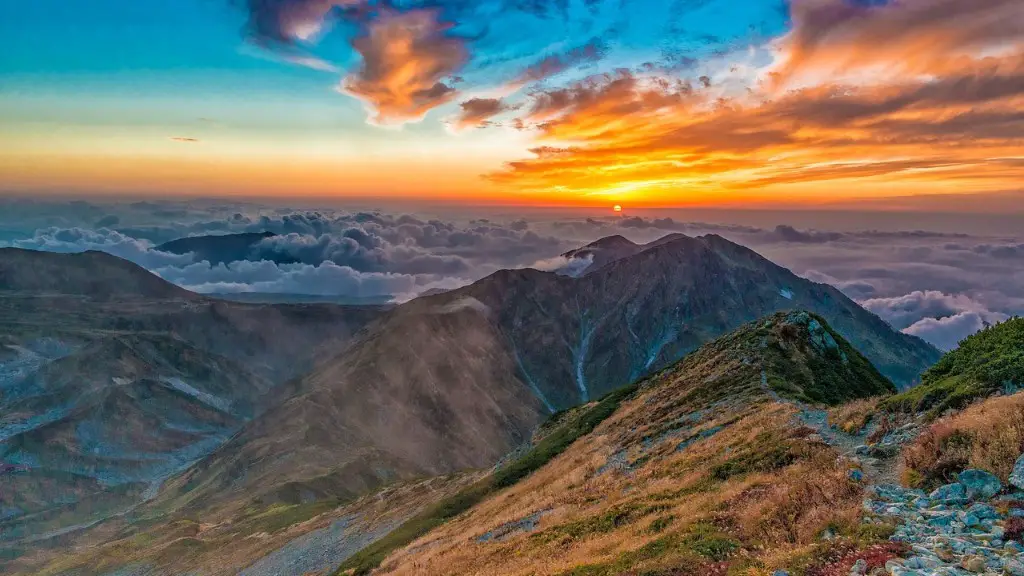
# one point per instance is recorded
(617, 208)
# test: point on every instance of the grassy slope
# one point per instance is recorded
(796, 357)
(987, 435)
(554, 443)
(982, 365)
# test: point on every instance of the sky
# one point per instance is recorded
(790, 104)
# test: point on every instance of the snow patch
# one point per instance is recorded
(786, 293)
(204, 397)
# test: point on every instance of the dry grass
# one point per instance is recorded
(852, 417)
(222, 543)
(748, 500)
(988, 436)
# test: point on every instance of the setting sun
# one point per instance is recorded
(617, 208)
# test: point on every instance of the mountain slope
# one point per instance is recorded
(985, 363)
(112, 379)
(93, 274)
(700, 448)
(457, 379)
(698, 471)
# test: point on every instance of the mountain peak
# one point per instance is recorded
(804, 358)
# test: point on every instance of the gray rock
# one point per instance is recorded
(949, 492)
(1015, 567)
(983, 511)
(979, 484)
(859, 568)
(1017, 476)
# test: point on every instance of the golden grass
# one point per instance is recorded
(668, 512)
(988, 435)
(853, 416)
(221, 543)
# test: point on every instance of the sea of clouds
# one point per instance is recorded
(940, 286)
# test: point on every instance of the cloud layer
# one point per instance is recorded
(940, 286)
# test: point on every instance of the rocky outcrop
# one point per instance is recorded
(955, 530)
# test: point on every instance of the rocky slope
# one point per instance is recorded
(112, 379)
(455, 380)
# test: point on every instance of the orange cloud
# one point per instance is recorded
(952, 123)
(837, 37)
(406, 58)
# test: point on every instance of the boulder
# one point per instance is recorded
(983, 511)
(949, 492)
(974, 564)
(1017, 476)
(979, 484)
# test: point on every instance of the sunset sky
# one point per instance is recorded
(568, 102)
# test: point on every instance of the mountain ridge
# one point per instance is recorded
(549, 342)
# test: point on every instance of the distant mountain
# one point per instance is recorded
(287, 298)
(96, 275)
(217, 249)
(112, 379)
(456, 380)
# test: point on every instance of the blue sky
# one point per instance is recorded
(193, 59)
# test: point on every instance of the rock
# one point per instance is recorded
(1015, 567)
(1017, 476)
(979, 484)
(780, 573)
(983, 511)
(860, 568)
(855, 474)
(949, 492)
(974, 564)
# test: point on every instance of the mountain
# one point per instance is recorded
(703, 468)
(603, 251)
(286, 298)
(217, 249)
(704, 458)
(112, 380)
(96, 275)
(456, 380)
